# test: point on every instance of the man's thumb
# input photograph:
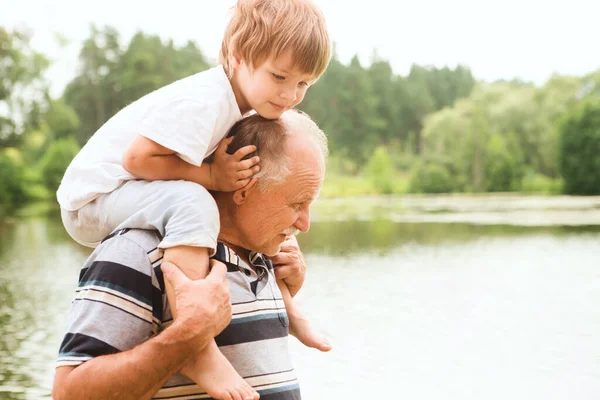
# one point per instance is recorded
(173, 274)
(218, 270)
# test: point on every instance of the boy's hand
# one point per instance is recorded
(228, 172)
(289, 265)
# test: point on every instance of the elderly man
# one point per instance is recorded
(122, 343)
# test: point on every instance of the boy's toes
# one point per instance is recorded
(236, 395)
(324, 345)
(316, 341)
(224, 395)
(250, 394)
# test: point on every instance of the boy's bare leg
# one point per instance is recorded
(208, 368)
(300, 327)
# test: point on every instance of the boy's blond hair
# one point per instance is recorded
(263, 29)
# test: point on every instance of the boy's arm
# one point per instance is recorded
(146, 159)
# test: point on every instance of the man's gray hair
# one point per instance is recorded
(296, 122)
(269, 137)
(301, 123)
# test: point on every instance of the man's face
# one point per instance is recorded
(266, 218)
(272, 88)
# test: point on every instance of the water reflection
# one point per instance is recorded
(381, 236)
(498, 318)
(39, 268)
(432, 278)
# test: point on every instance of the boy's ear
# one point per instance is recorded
(241, 196)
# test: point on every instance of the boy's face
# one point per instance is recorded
(271, 89)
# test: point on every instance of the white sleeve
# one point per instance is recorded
(182, 125)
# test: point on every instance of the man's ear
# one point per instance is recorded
(234, 59)
(241, 196)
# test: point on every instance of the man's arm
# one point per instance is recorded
(134, 374)
(203, 309)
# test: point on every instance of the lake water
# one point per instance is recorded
(415, 310)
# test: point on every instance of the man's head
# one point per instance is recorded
(273, 50)
(292, 151)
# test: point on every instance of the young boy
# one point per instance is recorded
(141, 169)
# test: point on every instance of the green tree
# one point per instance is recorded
(380, 171)
(500, 169)
(148, 64)
(520, 118)
(429, 89)
(417, 104)
(62, 120)
(388, 125)
(448, 141)
(56, 160)
(110, 78)
(430, 177)
(556, 98)
(22, 87)
(12, 194)
(580, 149)
(344, 104)
(93, 91)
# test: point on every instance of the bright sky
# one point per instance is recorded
(528, 39)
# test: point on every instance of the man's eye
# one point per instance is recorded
(279, 77)
(303, 83)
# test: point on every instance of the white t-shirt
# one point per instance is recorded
(189, 116)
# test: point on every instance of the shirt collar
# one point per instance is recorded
(226, 255)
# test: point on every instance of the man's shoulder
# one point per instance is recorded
(146, 239)
(129, 247)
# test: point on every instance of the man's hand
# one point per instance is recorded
(289, 265)
(203, 306)
(228, 172)
(204, 310)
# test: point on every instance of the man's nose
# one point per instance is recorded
(303, 221)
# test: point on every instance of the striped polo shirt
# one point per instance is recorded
(120, 302)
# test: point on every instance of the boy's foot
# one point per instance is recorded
(301, 328)
(211, 370)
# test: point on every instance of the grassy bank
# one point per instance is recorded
(336, 185)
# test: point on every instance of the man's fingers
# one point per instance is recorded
(290, 244)
(286, 271)
(282, 272)
(173, 274)
(289, 247)
(244, 151)
(281, 258)
(218, 270)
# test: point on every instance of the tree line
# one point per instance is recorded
(435, 129)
